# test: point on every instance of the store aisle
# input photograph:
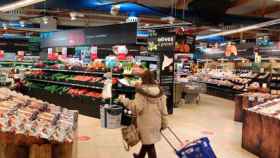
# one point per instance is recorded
(212, 118)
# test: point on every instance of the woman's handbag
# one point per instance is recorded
(130, 133)
(130, 136)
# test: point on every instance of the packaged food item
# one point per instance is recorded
(35, 119)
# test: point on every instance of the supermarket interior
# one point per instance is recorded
(171, 78)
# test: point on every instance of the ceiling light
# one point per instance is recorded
(115, 10)
(18, 4)
(45, 20)
(132, 19)
(73, 15)
(22, 24)
(169, 19)
(5, 26)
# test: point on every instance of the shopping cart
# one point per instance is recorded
(192, 92)
(199, 148)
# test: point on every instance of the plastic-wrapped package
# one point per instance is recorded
(31, 117)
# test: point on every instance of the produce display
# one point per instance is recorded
(269, 108)
(84, 92)
(32, 118)
(57, 89)
(221, 78)
(248, 75)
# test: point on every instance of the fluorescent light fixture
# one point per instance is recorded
(73, 15)
(22, 24)
(18, 4)
(243, 29)
(5, 26)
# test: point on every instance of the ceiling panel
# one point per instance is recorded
(154, 3)
(251, 6)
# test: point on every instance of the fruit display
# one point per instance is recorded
(94, 95)
(83, 78)
(35, 119)
(97, 65)
(84, 92)
(77, 91)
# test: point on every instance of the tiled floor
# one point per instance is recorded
(213, 118)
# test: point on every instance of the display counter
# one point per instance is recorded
(261, 129)
(31, 128)
(248, 100)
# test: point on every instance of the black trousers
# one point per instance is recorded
(148, 149)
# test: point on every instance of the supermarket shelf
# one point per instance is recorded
(15, 62)
(64, 83)
(84, 72)
(124, 90)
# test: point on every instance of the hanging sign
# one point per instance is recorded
(2, 54)
(121, 51)
(86, 55)
(64, 52)
(53, 56)
(161, 42)
(93, 51)
(20, 55)
(101, 35)
(231, 50)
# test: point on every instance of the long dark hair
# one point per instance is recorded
(148, 77)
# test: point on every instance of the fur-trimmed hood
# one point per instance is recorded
(152, 91)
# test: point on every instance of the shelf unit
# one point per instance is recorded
(95, 86)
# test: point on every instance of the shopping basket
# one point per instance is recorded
(199, 148)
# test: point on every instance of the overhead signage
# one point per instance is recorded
(101, 35)
(20, 55)
(13, 45)
(161, 43)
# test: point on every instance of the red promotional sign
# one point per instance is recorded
(121, 51)
(52, 55)
(2, 54)
(93, 52)
(20, 55)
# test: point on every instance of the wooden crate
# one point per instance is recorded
(238, 113)
(270, 144)
(252, 132)
(20, 146)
